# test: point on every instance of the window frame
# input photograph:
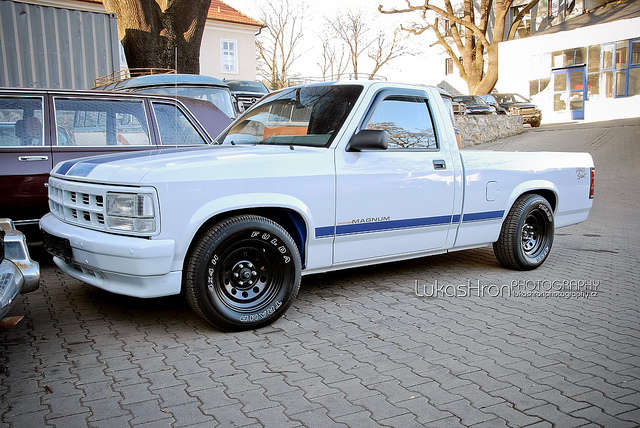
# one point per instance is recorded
(616, 72)
(224, 51)
(150, 125)
(382, 95)
(448, 66)
(43, 129)
(206, 139)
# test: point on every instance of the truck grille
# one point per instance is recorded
(77, 203)
(527, 111)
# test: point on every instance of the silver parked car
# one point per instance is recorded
(18, 273)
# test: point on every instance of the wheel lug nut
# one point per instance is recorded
(241, 283)
(235, 274)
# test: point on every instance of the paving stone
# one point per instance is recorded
(562, 402)
(463, 409)
(147, 411)
(609, 406)
(188, 415)
(550, 413)
(506, 412)
(597, 416)
(379, 407)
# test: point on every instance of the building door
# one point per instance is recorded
(569, 91)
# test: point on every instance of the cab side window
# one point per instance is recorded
(91, 123)
(21, 122)
(407, 120)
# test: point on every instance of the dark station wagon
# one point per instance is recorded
(39, 128)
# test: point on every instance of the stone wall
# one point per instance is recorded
(480, 128)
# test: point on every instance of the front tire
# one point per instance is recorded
(527, 234)
(243, 273)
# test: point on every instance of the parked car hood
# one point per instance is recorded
(182, 164)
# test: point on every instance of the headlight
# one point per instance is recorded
(514, 110)
(131, 212)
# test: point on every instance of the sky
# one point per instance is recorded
(414, 68)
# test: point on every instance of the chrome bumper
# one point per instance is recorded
(15, 249)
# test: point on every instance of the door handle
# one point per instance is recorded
(32, 158)
(439, 164)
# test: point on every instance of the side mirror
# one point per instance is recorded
(369, 139)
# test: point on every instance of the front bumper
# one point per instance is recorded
(137, 267)
(16, 250)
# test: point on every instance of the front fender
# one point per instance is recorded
(240, 202)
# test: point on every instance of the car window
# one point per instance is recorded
(407, 121)
(21, 121)
(101, 122)
(219, 97)
(309, 116)
(175, 128)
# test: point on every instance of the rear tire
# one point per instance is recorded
(527, 234)
(243, 273)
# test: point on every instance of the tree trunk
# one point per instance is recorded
(161, 33)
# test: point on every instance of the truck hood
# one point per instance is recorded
(175, 164)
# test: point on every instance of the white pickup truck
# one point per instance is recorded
(311, 179)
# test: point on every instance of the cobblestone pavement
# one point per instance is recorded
(364, 347)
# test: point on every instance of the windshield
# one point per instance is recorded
(308, 116)
(220, 97)
(511, 98)
(470, 100)
(247, 86)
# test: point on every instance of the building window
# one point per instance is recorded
(538, 85)
(620, 73)
(634, 69)
(593, 70)
(229, 49)
(448, 66)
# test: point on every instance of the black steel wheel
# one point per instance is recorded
(527, 234)
(243, 273)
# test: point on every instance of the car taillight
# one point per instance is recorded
(592, 188)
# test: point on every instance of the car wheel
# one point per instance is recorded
(243, 273)
(535, 124)
(526, 235)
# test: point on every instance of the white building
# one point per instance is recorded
(228, 49)
(587, 68)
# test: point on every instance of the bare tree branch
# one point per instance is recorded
(352, 29)
(277, 46)
(469, 35)
(384, 50)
